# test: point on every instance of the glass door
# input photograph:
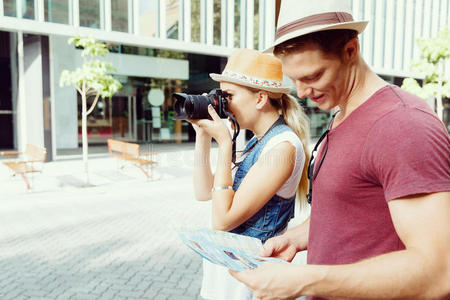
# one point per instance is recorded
(123, 116)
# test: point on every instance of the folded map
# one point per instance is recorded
(234, 251)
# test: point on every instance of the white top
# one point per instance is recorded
(217, 283)
(289, 188)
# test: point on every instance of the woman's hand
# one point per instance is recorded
(199, 132)
(215, 127)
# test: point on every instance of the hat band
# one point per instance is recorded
(318, 19)
(252, 80)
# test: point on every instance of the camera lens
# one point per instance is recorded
(180, 106)
(192, 106)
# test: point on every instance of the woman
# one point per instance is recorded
(258, 199)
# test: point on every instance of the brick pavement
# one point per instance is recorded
(111, 241)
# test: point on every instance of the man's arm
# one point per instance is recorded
(421, 271)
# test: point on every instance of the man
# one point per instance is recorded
(380, 215)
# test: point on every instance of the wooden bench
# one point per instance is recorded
(130, 152)
(33, 157)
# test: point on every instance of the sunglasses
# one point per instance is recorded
(312, 170)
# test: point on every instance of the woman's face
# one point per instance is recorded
(241, 103)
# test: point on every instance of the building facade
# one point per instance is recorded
(160, 47)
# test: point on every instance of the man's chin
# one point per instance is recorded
(326, 106)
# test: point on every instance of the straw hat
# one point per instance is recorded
(253, 69)
(300, 17)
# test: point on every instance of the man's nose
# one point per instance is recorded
(303, 90)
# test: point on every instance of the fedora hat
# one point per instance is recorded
(253, 69)
(300, 17)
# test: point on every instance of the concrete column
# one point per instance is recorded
(21, 97)
(33, 93)
(64, 99)
(33, 87)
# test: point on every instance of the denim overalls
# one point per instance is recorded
(274, 216)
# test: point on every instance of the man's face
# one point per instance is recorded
(321, 77)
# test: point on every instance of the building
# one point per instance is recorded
(160, 47)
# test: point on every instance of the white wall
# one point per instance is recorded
(146, 66)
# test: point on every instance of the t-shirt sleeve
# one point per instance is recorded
(407, 152)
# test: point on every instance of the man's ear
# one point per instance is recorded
(351, 50)
(262, 98)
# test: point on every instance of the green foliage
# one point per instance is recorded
(434, 51)
(93, 76)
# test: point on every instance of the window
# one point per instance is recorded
(217, 22)
(28, 9)
(237, 23)
(90, 13)
(9, 8)
(256, 25)
(56, 11)
(119, 15)
(148, 18)
(195, 21)
(172, 18)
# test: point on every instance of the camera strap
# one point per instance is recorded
(278, 122)
(236, 130)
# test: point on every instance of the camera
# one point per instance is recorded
(196, 106)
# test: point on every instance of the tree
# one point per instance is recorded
(91, 79)
(435, 52)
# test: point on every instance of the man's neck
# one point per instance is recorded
(363, 83)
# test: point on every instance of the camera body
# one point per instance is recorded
(196, 106)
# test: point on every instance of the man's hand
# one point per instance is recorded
(280, 247)
(271, 281)
(285, 246)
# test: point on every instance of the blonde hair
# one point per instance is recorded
(298, 121)
(296, 118)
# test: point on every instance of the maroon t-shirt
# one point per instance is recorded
(391, 146)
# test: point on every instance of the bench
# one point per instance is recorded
(130, 152)
(32, 158)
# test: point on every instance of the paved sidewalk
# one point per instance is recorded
(111, 241)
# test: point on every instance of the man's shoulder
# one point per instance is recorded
(397, 107)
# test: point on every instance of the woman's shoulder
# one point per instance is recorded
(284, 136)
(287, 135)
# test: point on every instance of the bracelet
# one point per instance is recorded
(223, 187)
